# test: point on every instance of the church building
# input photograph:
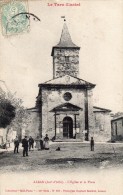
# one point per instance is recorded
(64, 106)
(65, 102)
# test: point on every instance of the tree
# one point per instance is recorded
(13, 115)
(7, 110)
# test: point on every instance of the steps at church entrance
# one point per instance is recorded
(68, 140)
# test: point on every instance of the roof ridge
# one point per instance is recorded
(70, 76)
(101, 108)
(54, 79)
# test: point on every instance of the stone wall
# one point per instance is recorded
(91, 122)
(52, 98)
(65, 61)
(102, 131)
(3, 132)
(32, 129)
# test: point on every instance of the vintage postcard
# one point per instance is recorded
(61, 97)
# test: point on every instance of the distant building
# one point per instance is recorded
(102, 118)
(33, 128)
(117, 129)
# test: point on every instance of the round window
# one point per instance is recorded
(67, 96)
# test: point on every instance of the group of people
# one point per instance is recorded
(28, 144)
(41, 144)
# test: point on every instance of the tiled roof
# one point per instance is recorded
(117, 118)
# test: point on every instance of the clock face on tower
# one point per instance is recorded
(67, 96)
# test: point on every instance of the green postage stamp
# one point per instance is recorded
(12, 18)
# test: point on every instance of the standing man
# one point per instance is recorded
(25, 146)
(16, 144)
(92, 144)
(31, 143)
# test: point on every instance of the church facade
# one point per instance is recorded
(64, 106)
(65, 102)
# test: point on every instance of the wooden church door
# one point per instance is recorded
(67, 127)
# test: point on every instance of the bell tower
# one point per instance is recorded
(65, 56)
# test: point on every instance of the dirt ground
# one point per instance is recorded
(71, 156)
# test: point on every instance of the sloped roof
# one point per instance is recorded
(65, 40)
(34, 109)
(115, 118)
(68, 80)
(98, 109)
(66, 107)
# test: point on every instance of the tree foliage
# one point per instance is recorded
(13, 114)
(7, 110)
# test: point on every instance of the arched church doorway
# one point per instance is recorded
(67, 127)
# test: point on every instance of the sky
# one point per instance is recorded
(95, 26)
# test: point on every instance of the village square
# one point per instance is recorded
(67, 129)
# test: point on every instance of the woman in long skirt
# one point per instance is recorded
(46, 142)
